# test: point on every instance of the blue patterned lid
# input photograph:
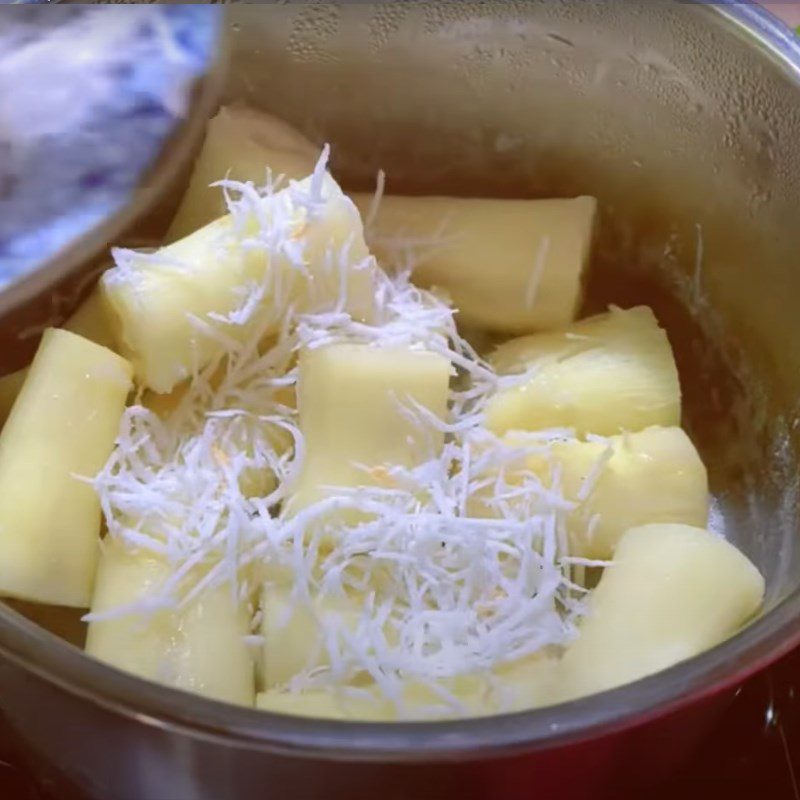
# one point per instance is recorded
(88, 96)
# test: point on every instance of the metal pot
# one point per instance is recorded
(683, 119)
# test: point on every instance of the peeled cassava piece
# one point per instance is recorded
(513, 266)
(295, 637)
(176, 309)
(322, 704)
(351, 399)
(523, 685)
(606, 374)
(294, 633)
(672, 592)
(367, 705)
(200, 647)
(90, 320)
(241, 144)
(655, 475)
(62, 426)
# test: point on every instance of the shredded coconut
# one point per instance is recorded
(460, 563)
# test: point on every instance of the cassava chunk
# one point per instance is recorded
(61, 429)
(199, 647)
(350, 400)
(513, 266)
(672, 592)
(655, 475)
(606, 374)
(90, 320)
(172, 308)
(241, 144)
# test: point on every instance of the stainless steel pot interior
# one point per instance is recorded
(683, 119)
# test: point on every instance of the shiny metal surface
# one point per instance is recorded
(682, 118)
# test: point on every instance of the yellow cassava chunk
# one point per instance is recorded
(672, 592)
(604, 375)
(241, 144)
(62, 426)
(294, 636)
(471, 693)
(522, 685)
(655, 475)
(509, 265)
(90, 320)
(526, 683)
(350, 399)
(199, 648)
(160, 299)
(419, 702)
(322, 704)
(294, 632)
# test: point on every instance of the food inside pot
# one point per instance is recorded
(355, 457)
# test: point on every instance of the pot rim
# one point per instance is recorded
(36, 650)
